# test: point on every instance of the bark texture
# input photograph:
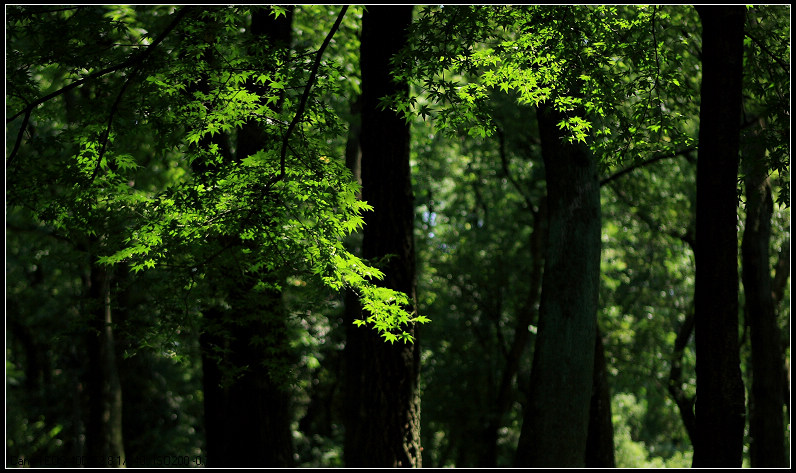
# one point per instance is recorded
(555, 426)
(720, 407)
(600, 443)
(382, 399)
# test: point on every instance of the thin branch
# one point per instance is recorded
(684, 402)
(20, 134)
(122, 65)
(686, 237)
(505, 165)
(107, 132)
(763, 48)
(651, 160)
(305, 95)
(43, 12)
(129, 62)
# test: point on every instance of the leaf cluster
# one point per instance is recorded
(162, 179)
(611, 71)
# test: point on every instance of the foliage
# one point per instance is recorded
(767, 88)
(473, 244)
(291, 202)
(617, 73)
(631, 453)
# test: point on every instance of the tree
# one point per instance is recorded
(245, 345)
(383, 405)
(766, 397)
(151, 154)
(720, 408)
(764, 157)
(600, 449)
(480, 253)
(579, 49)
(183, 211)
(562, 374)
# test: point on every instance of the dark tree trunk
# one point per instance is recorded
(104, 440)
(555, 426)
(245, 346)
(720, 408)
(382, 399)
(685, 403)
(766, 426)
(247, 402)
(600, 443)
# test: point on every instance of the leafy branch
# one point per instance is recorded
(133, 60)
(769, 53)
(303, 101)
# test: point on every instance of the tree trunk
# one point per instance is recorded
(382, 399)
(104, 441)
(555, 426)
(495, 414)
(720, 392)
(600, 443)
(245, 347)
(766, 426)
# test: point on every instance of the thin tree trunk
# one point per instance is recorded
(766, 426)
(684, 402)
(555, 426)
(382, 399)
(497, 412)
(104, 439)
(720, 408)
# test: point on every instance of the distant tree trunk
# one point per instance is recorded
(766, 426)
(245, 346)
(600, 443)
(555, 425)
(685, 403)
(496, 413)
(104, 440)
(720, 392)
(382, 400)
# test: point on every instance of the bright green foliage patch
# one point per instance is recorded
(622, 90)
(184, 200)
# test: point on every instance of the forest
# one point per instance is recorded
(397, 236)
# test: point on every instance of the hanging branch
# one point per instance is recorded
(306, 94)
(651, 160)
(107, 132)
(133, 60)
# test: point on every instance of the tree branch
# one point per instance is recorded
(107, 132)
(305, 95)
(505, 166)
(684, 402)
(768, 52)
(651, 160)
(686, 237)
(18, 141)
(129, 62)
